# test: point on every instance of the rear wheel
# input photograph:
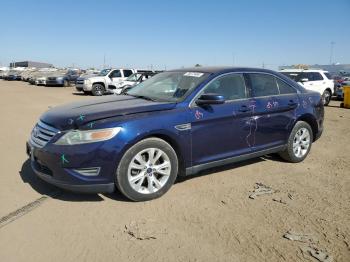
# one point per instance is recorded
(326, 97)
(147, 170)
(299, 143)
(98, 89)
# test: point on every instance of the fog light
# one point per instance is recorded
(91, 171)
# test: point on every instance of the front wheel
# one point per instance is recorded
(299, 143)
(98, 90)
(147, 170)
(326, 97)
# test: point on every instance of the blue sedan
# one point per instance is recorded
(175, 124)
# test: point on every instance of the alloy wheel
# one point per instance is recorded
(149, 170)
(301, 142)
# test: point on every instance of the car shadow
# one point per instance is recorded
(213, 170)
(28, 176)
(79, 94)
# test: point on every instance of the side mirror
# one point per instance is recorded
(304, 80)
(210, 99)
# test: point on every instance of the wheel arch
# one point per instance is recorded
(330, 90)
(100, 83)
(167, 138)
(174, 144)
(311, 120)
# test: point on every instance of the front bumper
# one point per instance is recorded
(54, 82)
(46, 163)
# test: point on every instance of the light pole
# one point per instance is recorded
(331, 55)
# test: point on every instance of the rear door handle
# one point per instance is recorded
(244, 109)
(292, 103)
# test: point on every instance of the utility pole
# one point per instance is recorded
(233, 59)
(331, 55)
(104, 61)
(263, 65)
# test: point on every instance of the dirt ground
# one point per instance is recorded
(208, 217)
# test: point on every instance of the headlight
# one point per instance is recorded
(59, 78)
(87, 82)
(75, 137)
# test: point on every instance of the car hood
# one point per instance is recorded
(96, 78)
(77, 114)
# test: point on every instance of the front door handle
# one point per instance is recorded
(292, 103)
(244, 109)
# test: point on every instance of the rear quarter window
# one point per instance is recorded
(285, 88)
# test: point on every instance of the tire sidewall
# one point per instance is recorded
(94, 89)
(296, 128)
(121, 178)
(326, 102)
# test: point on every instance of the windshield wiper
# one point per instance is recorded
(142, 97)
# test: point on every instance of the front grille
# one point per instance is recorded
(80, 82)
(42, 134)
(52, 78)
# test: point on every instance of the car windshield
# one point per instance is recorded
(134, 77)
(104, 72)
(169, 86)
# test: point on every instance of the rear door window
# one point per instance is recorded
(284, 88)
(127, 73)
(317, 76)
(263, 85)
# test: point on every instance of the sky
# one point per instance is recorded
(171, 34)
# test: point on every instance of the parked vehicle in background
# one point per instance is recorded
(63, 77)
(26, 74)
(3, 72)
(313, 79)
(176, 123)
(39, 77)
(98, 85)
(131, 81)
(339, 91)
(13, 75)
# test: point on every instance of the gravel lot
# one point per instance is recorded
(209, 217)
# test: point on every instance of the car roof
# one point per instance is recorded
(303, 70)
(221, 69)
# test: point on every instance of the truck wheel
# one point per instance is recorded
(98, 90)
(326, 97)
(299, 143)
(147, 170)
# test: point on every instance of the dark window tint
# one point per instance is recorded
(127, 73)
(328, 75)
(230, 86)
(263, 85)
(284, 87)
(317, 76)
(115, 73)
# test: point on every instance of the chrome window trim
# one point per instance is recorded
(192, 104)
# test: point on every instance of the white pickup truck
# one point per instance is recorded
(98, 84)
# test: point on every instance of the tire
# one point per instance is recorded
(98, 89)
(134, 183)
(65, 83)
(290, 154)
(326, 97)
